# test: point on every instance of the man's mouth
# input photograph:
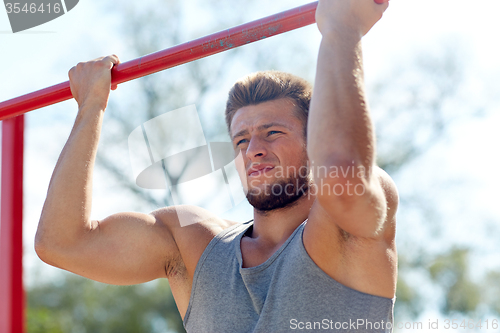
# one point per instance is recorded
(260, 170)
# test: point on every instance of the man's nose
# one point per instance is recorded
(256, 148)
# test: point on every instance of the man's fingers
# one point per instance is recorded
(113, 58)
(384, 3)
(90, 81)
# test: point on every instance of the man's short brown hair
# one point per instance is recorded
(267, 86)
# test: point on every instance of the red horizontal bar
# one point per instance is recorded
(171, 57)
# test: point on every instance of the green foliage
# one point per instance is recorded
(451, 272)
(408, 300)
(491, 291)
(75, 304)
(41, 320)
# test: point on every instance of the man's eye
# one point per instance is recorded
(273, 132)
(240, 142)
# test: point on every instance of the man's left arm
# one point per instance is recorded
(354, 192)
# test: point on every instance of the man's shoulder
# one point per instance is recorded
(192, 229)
(190, 217)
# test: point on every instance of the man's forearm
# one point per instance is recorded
(66, 212)
(340, 130)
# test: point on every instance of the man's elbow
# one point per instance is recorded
(43, 252)
(42, 247)
(47, 249)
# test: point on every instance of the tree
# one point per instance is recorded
(414, 106)
(74, 304)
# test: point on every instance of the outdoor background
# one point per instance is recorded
(431, 69)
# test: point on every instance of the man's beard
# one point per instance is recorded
(281, 194)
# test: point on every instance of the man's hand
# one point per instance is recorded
(90, 82)
(348, 16)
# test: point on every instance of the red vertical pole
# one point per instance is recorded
(11, 228)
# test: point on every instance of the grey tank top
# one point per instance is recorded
(287, 293)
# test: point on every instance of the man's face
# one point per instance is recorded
(271, 141)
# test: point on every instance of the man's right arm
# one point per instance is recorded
(124, 248)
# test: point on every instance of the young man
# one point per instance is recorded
(319, 255)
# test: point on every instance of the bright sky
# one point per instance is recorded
(42, 56)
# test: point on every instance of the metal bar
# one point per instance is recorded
(11, 228)
(177, 55)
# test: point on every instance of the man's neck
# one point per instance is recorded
(275, 226)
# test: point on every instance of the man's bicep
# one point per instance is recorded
(124, 248)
